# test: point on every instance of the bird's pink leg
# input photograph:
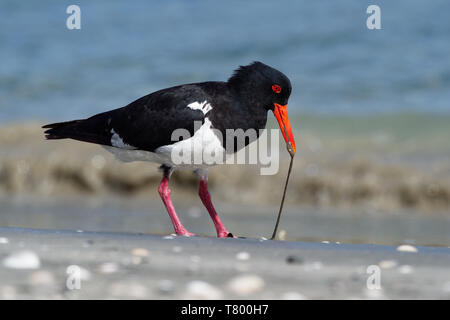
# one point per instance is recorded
(203, 192)
(164, 192)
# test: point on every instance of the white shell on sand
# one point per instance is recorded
(407, 248)
(4, 240)
(387, 264)
(405, 269)
(109, 267)
(140, 252)
(282, 235)
(244, 285)
(243, 255)
(202, 290)
(22, 260)
(166, 286)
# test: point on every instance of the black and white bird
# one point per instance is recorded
(143, 130)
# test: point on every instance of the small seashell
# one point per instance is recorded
(243, 256)
(407, 248)
(22, 260)
(387, 264)
(405, 269)
(282, 235)
(200, 290)
(166, 286)
(244, 285)
(109, 267)
(140, 252)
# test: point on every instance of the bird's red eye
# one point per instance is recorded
(276, 88)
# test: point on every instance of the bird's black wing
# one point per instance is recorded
(144, 124)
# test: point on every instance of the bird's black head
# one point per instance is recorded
(259, 87)
(261, 84)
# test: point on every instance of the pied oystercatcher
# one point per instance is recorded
(143, 129)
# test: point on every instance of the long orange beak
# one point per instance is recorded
(281, 114)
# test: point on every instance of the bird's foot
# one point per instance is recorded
(225, 234)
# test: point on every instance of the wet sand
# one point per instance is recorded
(138, 266)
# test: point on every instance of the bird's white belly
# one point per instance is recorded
(204, 148)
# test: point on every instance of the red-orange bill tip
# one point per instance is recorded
(281, 114)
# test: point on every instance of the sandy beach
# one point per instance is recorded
(138, 266)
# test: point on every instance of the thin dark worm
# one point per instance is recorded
(291, 153)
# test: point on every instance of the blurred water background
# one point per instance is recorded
(371, 110)
(126, 49)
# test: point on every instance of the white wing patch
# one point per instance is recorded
(116, 141)
(204, 106)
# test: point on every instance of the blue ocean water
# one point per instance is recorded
(126, 49)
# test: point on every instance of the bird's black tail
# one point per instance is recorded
(95, 130)
(60, 130)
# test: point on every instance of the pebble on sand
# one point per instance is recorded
(140, 252)
(4, 240)
(22, 260)
(405, 269)
(109, 267)
(387, 264)
(166, 286)
(245, 285)
(200, 290)
(243, 255)
(407, 248)
(282, 235)
(291, 259)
